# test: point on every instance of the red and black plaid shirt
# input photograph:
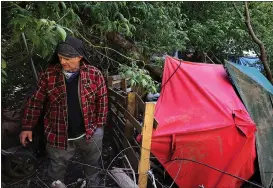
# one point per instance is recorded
(52, 90)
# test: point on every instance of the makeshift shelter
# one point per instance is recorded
(257, 94)
(248, 61)
(203, 127)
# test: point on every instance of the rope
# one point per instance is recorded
(172, 75)
(184, 159)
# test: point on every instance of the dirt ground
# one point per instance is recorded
(74, 171)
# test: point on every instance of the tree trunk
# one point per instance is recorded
(119, 40)
(259, 42)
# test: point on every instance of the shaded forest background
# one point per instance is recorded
(127, 38)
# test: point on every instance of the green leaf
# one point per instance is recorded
(129, 73)
(63, 5)
(154, 89)
(144, 82)
(132, 82)
(39, 25)
(61, 32)
(44, 21)
(4, 72)
(3, 80)
(121, 17)
(3, 64)
(127, 29)
(50, 28)
(52, 22)
(35, 40)
(116, 6)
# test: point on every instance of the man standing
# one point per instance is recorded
(75, 98)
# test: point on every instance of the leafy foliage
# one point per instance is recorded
(43, 33)
(261, 18)
(215, 26)
(218, 27)
(161, 25)
(138, 77)
(150, 27)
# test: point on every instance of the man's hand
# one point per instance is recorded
(24, 135)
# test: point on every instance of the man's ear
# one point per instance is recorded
(80, 58)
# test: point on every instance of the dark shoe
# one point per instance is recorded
(82, 183)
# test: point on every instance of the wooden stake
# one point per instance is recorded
(144, 164)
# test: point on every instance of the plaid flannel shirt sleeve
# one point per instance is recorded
(102, 101)
(34, 105)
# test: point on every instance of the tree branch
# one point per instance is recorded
(249, 26)
(259, 42)
(110, 49)
(238, 11)
(63, 16)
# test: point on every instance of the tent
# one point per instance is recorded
(257, 94)
(204, 131)
(249, 62)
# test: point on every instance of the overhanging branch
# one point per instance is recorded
(259, 42)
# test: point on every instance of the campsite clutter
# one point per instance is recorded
(207, 128)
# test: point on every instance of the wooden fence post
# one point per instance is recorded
(124, 85)
(147, 130)
(129, 129)
(131, 107)
(110, 81)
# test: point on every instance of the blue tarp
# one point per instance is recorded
(249, 62)
(256, 76)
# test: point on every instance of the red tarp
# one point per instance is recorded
(201, 118)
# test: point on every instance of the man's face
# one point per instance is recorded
(70, 64)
